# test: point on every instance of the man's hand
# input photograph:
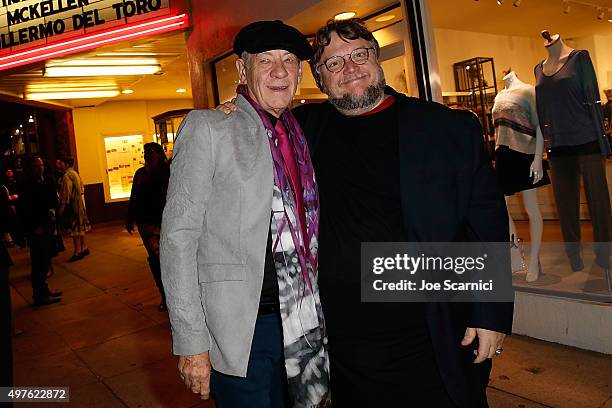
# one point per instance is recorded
(488, 342)
(195, 373)
(228, 107)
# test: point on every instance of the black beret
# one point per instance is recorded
(272, 35)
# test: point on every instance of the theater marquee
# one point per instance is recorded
(34, 30)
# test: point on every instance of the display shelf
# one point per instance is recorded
(476, 87)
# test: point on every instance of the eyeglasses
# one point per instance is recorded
(336, 63)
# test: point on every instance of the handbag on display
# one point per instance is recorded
(517, 255)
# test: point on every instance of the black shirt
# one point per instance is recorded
(36, 199)
(269, 289)
(564, 101)
(357, 168)
(148, 196)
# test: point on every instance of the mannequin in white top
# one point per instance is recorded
(558, 52)
(530, 199)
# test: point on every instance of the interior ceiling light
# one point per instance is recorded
(600, 13)
(100, 70)
(43, 96)
(42, 87)
(566, 7)
(516, 3)
(344, 15)
(52, 89)
(102, 61)
(127, 91)
(127, 54)
(181, 90)
(387, 17)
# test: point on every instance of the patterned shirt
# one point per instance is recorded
(516, 118)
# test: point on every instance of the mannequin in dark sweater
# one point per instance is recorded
(572, 123)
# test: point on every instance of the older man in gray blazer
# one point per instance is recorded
(239, 239)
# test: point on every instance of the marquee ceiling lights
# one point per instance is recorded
(87, 42)
(80, 62)
(59, 89)
(71, 95)
(72, 86)
(100, 70)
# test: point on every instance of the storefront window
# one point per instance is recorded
(124, 155)
(488, 57)
(166, 126)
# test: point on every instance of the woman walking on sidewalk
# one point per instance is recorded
(72, 211)
(147, 201)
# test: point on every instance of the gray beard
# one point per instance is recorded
(347, 102)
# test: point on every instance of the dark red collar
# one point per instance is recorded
(384, 105)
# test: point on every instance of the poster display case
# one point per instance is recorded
(124, 155)
(166, 126)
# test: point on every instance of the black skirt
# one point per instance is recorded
(512, 169)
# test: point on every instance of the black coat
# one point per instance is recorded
(7, 222)
(442, 157)
(36, 199)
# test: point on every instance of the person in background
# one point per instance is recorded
(72, 211)
(8, 189)
(147, 201)
(37, 201)
(6, 348)
(608, 110)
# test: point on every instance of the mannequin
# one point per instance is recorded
(519, 147)
(558, 53)
(568, 106)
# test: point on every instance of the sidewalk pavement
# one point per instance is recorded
(109, 344)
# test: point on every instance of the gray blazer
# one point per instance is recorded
(214, 234)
